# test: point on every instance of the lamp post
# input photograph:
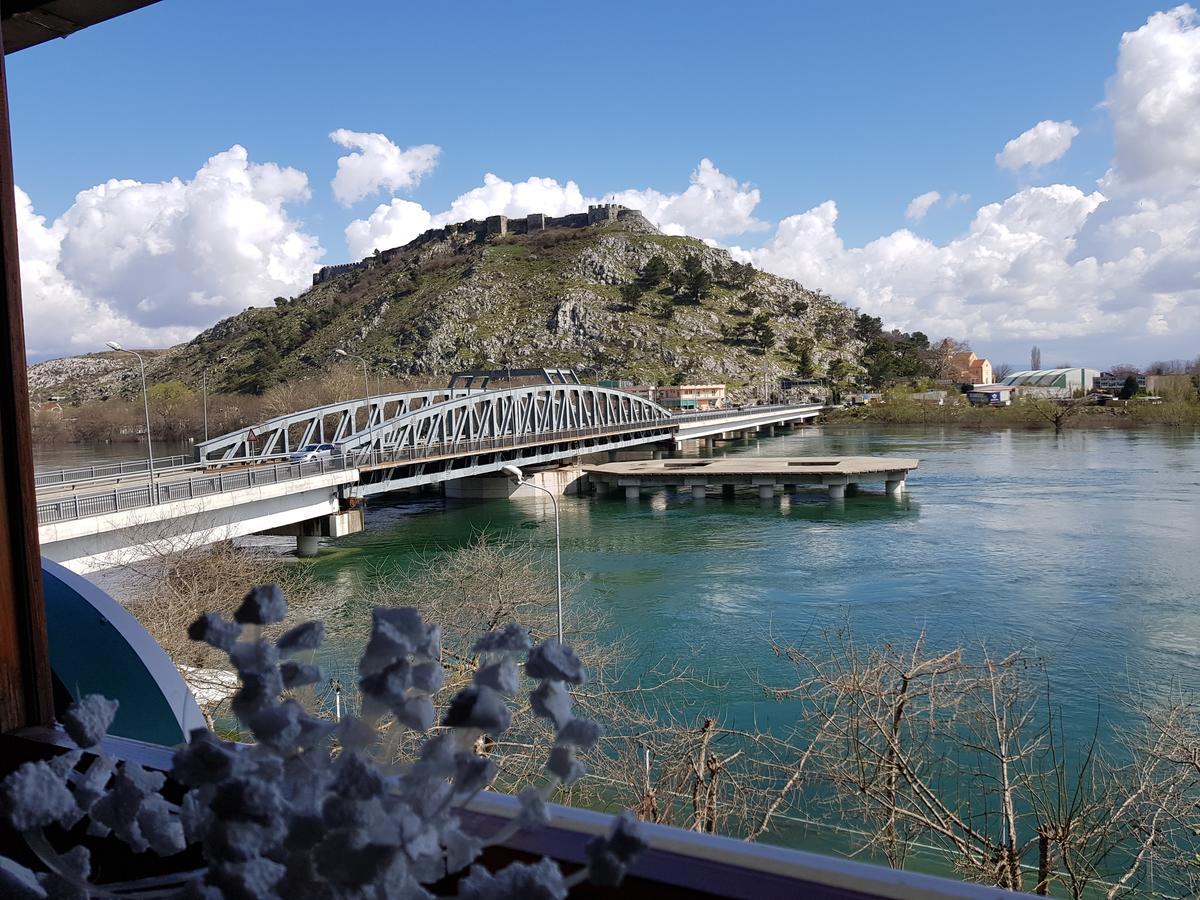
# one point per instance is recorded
(204, 390)
(513, 472)
(366, 381)
(146, 404)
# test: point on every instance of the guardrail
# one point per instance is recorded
(109, 470)
(739, 412)
(97, 504)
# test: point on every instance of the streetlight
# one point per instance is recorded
(204, 389)
(145, 402)
(513, 472)
(366, 381)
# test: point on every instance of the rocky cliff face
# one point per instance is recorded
(553, 298)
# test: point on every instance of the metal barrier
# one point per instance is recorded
(742, 411)
(108, 470)
(79, 506)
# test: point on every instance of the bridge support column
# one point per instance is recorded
(632, 492)
(659, 454)
(836, 487)
(894, 487)
(766, 492)
(770, 431)
(307, 545)
(699, 491)
(709, 443)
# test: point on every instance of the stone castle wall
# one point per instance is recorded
(597, 214)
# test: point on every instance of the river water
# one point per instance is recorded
(1083, 548)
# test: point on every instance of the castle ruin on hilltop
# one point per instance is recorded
(597, 214)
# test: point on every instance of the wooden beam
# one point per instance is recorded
(25, 687)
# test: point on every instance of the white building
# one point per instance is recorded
(1052, 382)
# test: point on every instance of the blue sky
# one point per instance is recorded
(867, 106)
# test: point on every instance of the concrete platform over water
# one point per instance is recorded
(768, 474)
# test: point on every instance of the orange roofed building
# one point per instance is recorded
(965, 366)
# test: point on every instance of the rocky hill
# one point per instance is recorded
(616, 298)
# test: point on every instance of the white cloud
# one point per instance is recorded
(713, 206)
(497, 197)
(378, 164)
(1043, 143)
(920, 205)
(390, 225)
(1154, 101)
(152, 264)
(1055, 261)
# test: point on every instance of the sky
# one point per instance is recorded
(1009, 173)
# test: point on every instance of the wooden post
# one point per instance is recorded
(25, 691)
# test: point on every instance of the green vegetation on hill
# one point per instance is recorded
(612, 300)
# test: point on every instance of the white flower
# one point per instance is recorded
(294, 674)
(478, 707)
(533, 812)
(550, 700)
(499, 676)
(18, 882)
(34, 796)
(519, 881)
(307, 636)
(580, 733)
(88, 720)
(264, 605)
(609, 857)
(509, 639)
(564, 766)
(556, 661)
(215, 631)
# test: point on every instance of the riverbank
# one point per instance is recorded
(1173, 413)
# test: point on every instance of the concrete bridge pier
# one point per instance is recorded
(837, 488)
(766, 492)
(632, 492)
(709, 443)
(770, 430)
(307, 545)
(894, 485)
(699, 491)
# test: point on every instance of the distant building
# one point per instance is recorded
(991, 395)
(1114, 382)
(932, 398)
(692, 397)
(1052, 382)
(967, 368)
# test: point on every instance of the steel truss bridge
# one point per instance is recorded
(383, 443)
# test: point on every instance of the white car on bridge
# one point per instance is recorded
(311, 452)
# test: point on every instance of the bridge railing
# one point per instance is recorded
(737, 411)
(108, 470)
(509, 442)
(80, 505)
